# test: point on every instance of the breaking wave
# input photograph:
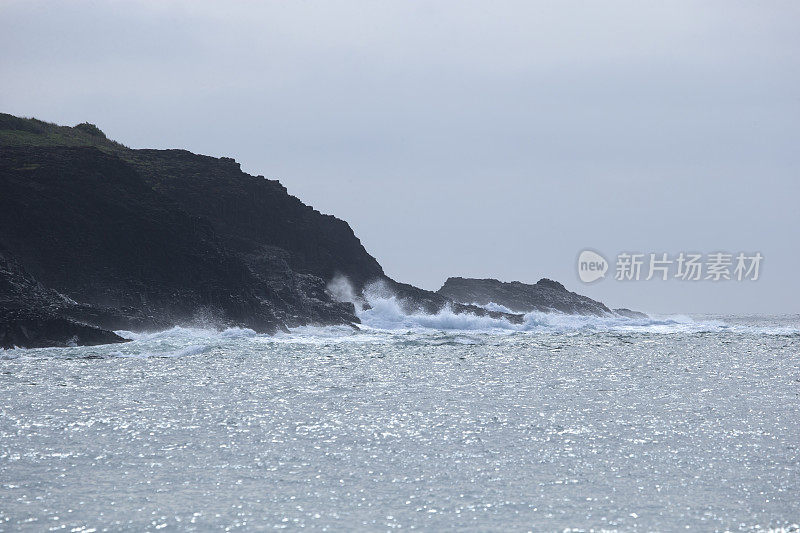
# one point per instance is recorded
(179, 332)
(385, 319)
(386, 312)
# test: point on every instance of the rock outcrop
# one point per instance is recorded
(416, 300)
(38, 328)
(33, 316)
(545, 295)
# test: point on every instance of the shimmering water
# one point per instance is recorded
(662, 425)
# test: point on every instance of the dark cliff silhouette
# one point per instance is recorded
(95, 236)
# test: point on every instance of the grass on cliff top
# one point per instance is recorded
(21, 132)
(16, 131)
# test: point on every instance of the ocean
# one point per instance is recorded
(427, 422)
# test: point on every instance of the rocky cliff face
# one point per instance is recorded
(256, 217)
(545, 295)
(87, 224)
(103, 236)
(146, 239)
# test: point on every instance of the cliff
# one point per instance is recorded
(119, 238)
(100, 236)
(149, 238)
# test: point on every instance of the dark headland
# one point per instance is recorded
(545, 295)
(95, 237)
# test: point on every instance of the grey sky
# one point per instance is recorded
(484, 139)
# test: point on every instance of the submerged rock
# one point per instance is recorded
(627, 313)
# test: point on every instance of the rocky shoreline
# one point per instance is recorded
(96, 237)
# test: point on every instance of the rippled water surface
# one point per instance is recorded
(662, 425)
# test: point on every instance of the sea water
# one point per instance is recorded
(414, 422)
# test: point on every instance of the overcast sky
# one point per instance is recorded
(481, 139)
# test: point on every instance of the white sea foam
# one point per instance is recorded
(180, 352)
(491, 306)
(179, 332)
(387, 320)
(387, 313)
